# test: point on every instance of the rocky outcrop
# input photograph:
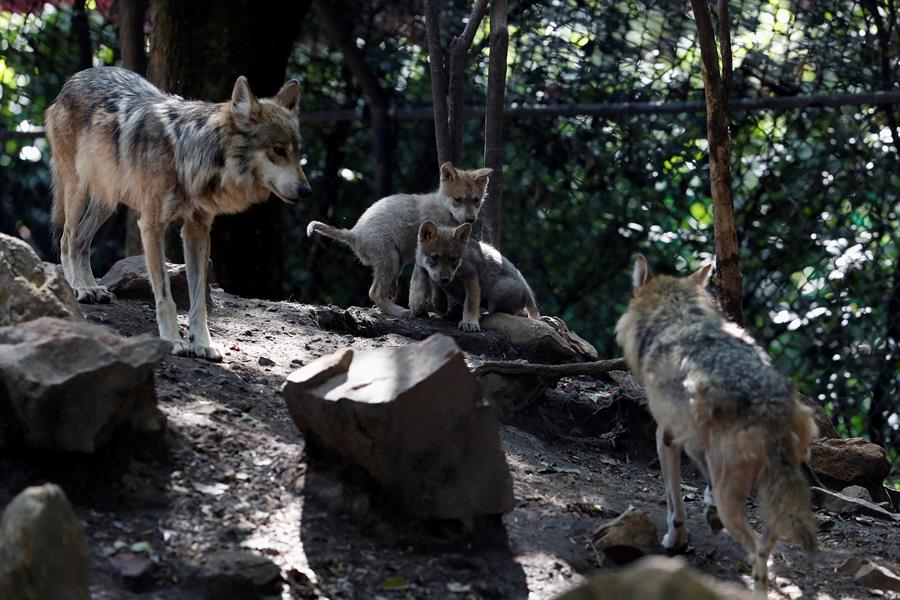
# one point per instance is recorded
(29, 288)
(42, 548)
(414, 418)
(538, 340)
(69, 385)
(656, 578)
(850, 461)
(128, 279)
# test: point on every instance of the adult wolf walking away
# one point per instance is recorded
(116, 138)
(713, 392)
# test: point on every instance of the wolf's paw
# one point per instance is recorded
(675, 542)
(180, 348)
(404, 314)
(208, 352)
(94, 295)
(469, 325)
(420, 311)
(712, 518)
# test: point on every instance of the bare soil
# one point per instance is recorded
(233, 473)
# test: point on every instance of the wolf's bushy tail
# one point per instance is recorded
(531, 307)
(783, 489)
(341, 235)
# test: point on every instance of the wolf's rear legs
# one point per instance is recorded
(195, 236)
(385, 273)
(83, 219)
(669, 452)
(418, 292)
(153, 237)
(711, 512)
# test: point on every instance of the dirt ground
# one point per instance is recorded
(234, 474)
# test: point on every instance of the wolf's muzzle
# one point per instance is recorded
(304, 191)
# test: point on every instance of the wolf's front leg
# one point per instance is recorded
(153, 237)
(195, 237)
(669, 452)
(418, 291)
(472, 305)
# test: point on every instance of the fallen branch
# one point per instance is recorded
(505, 367)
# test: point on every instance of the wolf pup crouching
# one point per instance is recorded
(117, 138)
(384, 237)
(470, 273)
(713, 392)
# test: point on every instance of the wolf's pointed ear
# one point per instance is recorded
(641, 272)
(427, 231)
(482, 175)
(463, 232)
(448, 171)
(289, 95)
(701, 275)
(243, 102)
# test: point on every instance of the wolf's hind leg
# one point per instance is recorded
(153, 237)
(195, 236)
(385, 272)
(669, 453)
(88, 290)
(710, 512)
(732, 481)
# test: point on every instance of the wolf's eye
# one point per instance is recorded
(453, 259)
(458, 200)
(280, 151)
(434, 258)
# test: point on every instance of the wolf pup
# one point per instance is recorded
(470, 273)
(384, 237)
(117, 138)
(713, 392)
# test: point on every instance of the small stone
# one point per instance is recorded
(266, 362)
(844, 505)
(851, 565)
(858, 492)
(628, 537)
(135, 571)
(128, 278)
(235, 574)
(877, 577)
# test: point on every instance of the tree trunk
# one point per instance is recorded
(82, 32)
(438, 80)
(197, 50)
(132, 42)
(493, 123)
(379, 99)
(728, 272)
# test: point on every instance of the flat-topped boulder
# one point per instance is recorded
(128, 278)
(414, 418)
(69, 385)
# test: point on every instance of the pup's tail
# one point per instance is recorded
(783, 490)
(341, 235)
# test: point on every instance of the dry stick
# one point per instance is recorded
(504, 367)
(438, 80)
(493, 122)
(459, 51)
(728, 270)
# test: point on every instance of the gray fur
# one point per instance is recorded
(462, 267)
(117, 138)
(385, 236)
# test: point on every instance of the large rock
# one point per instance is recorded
(30, 288)
(877, 577)
(67, 384)
(128, 279)
(538, 340)
(414, 418)
(42, 548)
(656, 578)
(851, 461)
(628, 537)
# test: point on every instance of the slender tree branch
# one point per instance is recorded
(599, 367)
(459, 52)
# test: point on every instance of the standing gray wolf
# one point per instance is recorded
(384, 237)
(117, 138)
(470, 273)
(713, 392)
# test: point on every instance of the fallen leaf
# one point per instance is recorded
(140, 547)
(395, 583)
(216, 489)
(455, 587)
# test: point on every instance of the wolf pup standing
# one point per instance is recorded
(116, 138)
(470, 273)
(384, 237)
(713, 392)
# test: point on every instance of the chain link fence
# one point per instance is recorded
(815, 138)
